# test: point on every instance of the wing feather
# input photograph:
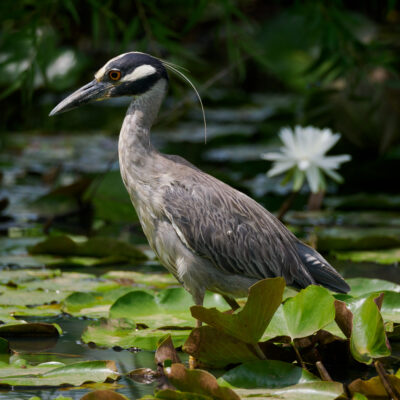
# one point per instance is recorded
(232, 230)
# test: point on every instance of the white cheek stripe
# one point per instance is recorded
(139, 72)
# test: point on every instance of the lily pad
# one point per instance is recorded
(151, 280)
(269, 374)
(93, 247)
(360, 286)
(73, 375)
(388, 256)
(373, 388)
(368, 338)
(198, 381)
(304, 391)
(214, 348)
(302, 315)
(122, 332)
(32, 329)
(25, 275)
(345, 238)
(170, 307)
(104, 395)
(249, 323)
(11, 297)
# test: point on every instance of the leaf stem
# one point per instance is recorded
(298, 355)
(391, 391)
(287, 204)
(256, 347)
(324, 374)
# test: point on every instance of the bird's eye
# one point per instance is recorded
(115, 75)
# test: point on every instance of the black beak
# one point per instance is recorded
(94, 90)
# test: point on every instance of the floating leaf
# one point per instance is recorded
(170, 307)
(121, 332)
(169, 394)
(368, 339)
(304, 391)
(214, 348)
(249, 323)
(345, 238)
(198, 381)
(93, 247)
(74, 374)
(104, 395)
(388, 256)
(16, 297)
(269, 374)
(300, 316)
(360, 286)
(373, 388)
(31, 329)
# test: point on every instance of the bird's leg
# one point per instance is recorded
(198, 299)
(232, 302)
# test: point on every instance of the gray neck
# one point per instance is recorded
(136, 153)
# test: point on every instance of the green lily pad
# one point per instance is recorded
(303, 391)
(72, 281)
(93, 305)
(214, 348)
(345, 238)
(302, 315)
(198, 381)
(93, 247)
(364, 201)
(16, 297)
(170, 307)
(25, 275)
(247, 324)
(269, 374)
(122, 332)
(152, 280)
(169, 394)
(368, 338)
(31, 329)
(388, 256)
(103, 395)
(46, 310)
(73, 375)
(360, 286)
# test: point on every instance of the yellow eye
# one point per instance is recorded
(115, 75)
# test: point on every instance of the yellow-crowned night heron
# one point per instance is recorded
(207, 234)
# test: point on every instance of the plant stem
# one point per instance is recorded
(324, 374)
(287, 204)
(391, 391)
(232, 302)
(298, 355)
(256, 347)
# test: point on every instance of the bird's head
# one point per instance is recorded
(129, 74)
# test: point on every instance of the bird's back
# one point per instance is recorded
(237, 234)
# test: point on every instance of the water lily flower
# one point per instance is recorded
(303, 156)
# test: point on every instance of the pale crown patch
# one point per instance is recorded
(139, 72)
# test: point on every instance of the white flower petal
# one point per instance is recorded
(332, 162)
(279, 167)
(274, 156)
(287, 138)
(313, 178)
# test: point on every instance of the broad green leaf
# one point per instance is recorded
(345, 238)
(373, 388)
(29, 329)
(170, 307)
(25, 275)
(74, 374)
(198, 381)
(93, 247)
(368, 339)
(387, 256)
(269, 374)
(169, 394)
(302, 315)
(151, 280)
(360, 286)
(17, 297)
(104, 395)
(216, 349)
(121, 332)
(249, 323)
(304, 391)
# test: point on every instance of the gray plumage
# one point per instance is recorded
(207, 234)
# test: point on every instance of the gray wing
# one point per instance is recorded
(233, 231)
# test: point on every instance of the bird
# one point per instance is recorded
(209, 235)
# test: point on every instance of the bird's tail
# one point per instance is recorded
(322, 272)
